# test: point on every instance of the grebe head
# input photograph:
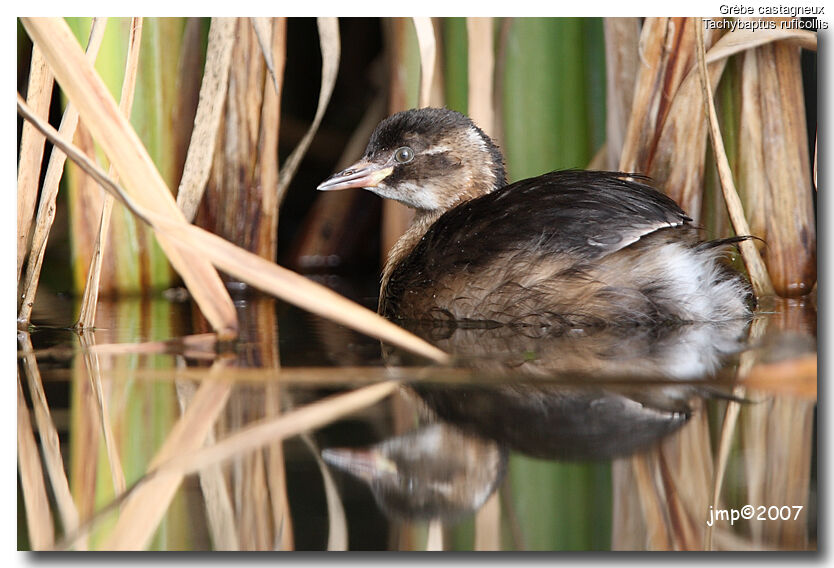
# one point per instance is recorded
(430, 159)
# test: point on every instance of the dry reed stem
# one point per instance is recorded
(488, 525)
(796, 377)
(49, 192)
(751, 169)
(651, 498)
(93, 366)
(144, 508)
(396, 217)
(330, 54)
(250, 268)
(789, 217)
(38, 514)
(89, 301)
(337, 534)
(642, 120)
(740, 40)
(728, 425)
(50, 443)
(481, 68)
(38, 95)
(198, 160)
(96, 106)
(264, 30)
(428, 51)
(434, 539)
(622, 36)
(268, 146)
(759, 277)
(220, 516)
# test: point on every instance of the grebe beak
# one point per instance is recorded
(369, 464)
(360, 174)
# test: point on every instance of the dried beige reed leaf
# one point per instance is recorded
(622, 62)
(50, 443)
(337, 534)
(481, 68)
(120, 142)
(277, 475)
(642, 120)
(651, 500)
(428, 49)
(207, 120)
(38, 95)
(250, 268)
(89, 300)
(144, 508)
(488, 525)
(329, 41)
(220, 516)
(38, 514)
(759, 277)
(49, 192)
(93, 367)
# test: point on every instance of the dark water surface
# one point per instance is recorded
(581, 440)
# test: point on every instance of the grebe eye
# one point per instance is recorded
(404, 154)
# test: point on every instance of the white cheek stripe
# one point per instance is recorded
(437, 149)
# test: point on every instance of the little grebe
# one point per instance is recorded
(565, 249)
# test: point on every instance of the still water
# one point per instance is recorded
(680, 438)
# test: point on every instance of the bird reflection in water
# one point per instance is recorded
(592, 394)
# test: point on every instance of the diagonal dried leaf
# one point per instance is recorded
(144, 508)
(251, 268)
(120, 142)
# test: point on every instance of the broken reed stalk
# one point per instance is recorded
(38, 95)
(197, 167)
(89, 300)
(96, 106)
(49, 192)
(249, 267)
(756, 269)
